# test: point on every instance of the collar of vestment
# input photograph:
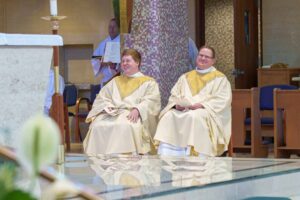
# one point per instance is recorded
(127, 85)
(197, 81)
(204, 71)
(115, 38)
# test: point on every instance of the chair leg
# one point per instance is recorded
(67, 130)
(77, 130)
(230, 149)
(80, 137)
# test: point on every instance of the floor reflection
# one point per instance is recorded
(187, 173)
(128, 171)
(116, 177)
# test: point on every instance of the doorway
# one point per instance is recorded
(246, 43)
(246, 36)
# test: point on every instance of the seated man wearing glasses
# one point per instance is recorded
(197, 119)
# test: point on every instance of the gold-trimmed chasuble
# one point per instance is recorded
(127, 85)
(197, 81)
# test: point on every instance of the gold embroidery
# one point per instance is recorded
(198, 81)
(193, 152)
(127, 85)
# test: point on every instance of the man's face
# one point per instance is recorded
(205, 59)
(113, 29)
(129, 65)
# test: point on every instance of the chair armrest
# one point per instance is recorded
(82, 100)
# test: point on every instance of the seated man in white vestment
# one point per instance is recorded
(197, 119)
(193, 53)
(124, 114)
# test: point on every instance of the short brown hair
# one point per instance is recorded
(210, 48)
(134, 54)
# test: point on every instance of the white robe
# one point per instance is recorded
(113, 133)
(206, 130)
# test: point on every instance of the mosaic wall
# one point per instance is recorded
(219, 33)
(160, 32)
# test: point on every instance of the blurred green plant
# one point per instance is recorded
(37, 147)
(38, 144)
(8, 190)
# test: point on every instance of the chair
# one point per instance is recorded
(244, 101)
(266, 104)
(258, 101)
(70, 97)
(287, 122)
(80, 115)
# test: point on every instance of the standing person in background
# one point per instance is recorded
(51, 91)
(108, 70)
(193, 53)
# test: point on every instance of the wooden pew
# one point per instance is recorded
(243, 99)
(287, 122)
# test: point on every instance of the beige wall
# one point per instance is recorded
(86, 25)
(86, 22)
(219, 33)
(281, 32)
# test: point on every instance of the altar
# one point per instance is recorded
(25, 61)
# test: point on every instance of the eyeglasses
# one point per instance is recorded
(205, 56)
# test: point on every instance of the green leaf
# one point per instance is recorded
(17, 195)
(7, 176)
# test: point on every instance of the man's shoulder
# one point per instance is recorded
(107, 39)
(189, 73)
(116, 39)
(148, 77)
(99, 51)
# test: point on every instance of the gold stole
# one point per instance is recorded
(198, 81)
(127, 85)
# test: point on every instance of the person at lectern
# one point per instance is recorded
(106, 70)
(51, 90)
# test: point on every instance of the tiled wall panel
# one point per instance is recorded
(160, 33)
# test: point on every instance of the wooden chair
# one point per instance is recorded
(70, 97)
(262, 130)
(266, 107)
(246, 102)
(287, 122)
(81, 113)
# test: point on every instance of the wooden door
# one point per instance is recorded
(245, 43)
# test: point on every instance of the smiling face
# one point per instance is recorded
(205, 58)
(129, 65)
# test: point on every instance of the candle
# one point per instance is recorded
(53, 7)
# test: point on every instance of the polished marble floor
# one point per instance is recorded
(139, 177)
